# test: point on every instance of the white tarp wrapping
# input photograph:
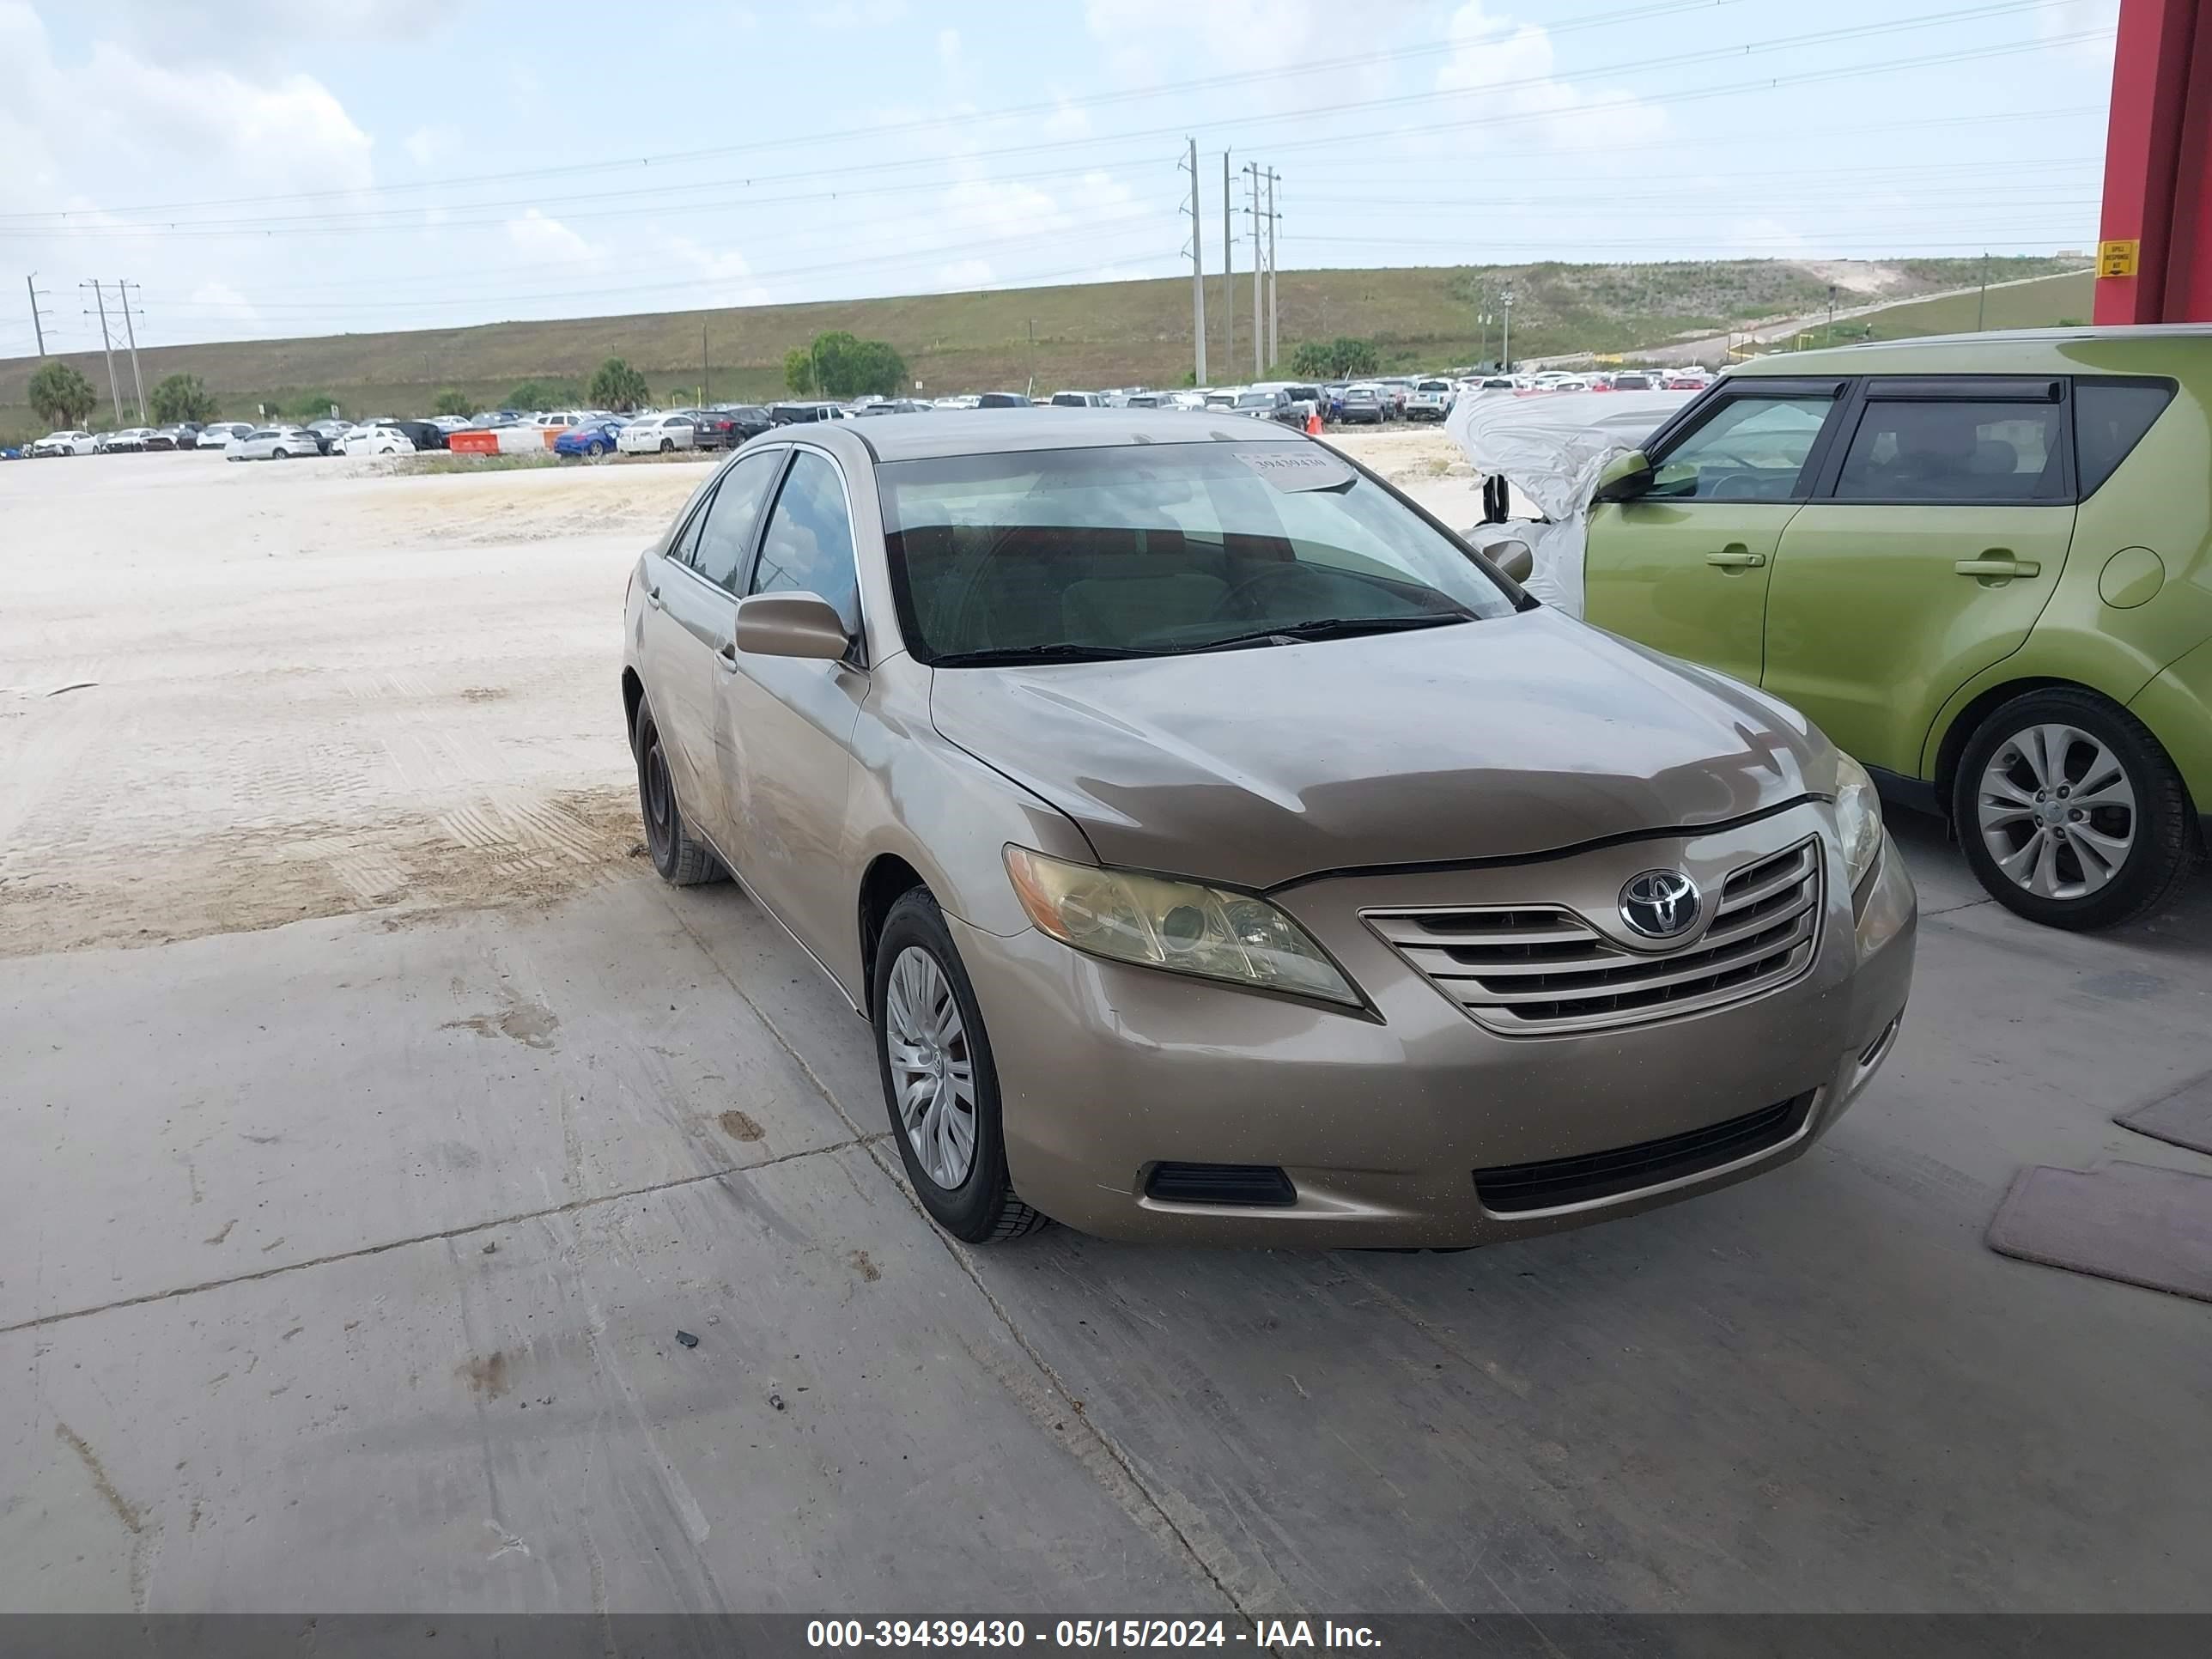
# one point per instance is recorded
(1551, 448)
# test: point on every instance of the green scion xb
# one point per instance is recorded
(1981, 565)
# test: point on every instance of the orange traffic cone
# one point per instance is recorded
(1313, 423)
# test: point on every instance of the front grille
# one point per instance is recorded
(1536, 968)
(1517, 1188)
(1254, 1185)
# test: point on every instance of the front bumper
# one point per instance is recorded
(1381, 1120)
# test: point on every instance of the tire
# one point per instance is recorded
(682, 860)
(978, 1206)
(2102, 864)
(278, 455)
(595, 449)
(667, 445)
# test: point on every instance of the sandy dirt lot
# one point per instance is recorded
(234, 697)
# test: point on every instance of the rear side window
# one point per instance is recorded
(2110, 418)
(1928, 450)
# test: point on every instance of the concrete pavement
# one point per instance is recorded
(344, 1262)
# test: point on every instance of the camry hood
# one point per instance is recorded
(1498, 738)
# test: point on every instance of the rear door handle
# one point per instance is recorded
(1998, 566)
(1736, 558)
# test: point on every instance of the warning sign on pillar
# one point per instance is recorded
(2117, 259)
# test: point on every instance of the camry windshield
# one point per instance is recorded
(1152, 550)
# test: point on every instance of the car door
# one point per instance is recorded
(690, 616)
(1934, 541)
(1685, 565)
(789, 721)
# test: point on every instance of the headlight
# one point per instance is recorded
(1859, 818)
(1180, 926)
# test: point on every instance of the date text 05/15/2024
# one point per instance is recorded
(991, 1635)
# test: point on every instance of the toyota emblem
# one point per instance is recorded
(1660, 904)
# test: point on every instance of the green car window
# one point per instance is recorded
(1752, 450)
(2110, 418)
(1916, 450)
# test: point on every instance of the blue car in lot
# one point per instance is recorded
(592, 438)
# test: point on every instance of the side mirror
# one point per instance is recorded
(1514, 558)
(1625, 478)
(790, 625)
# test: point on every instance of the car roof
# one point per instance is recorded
(2138, 348)
(996, 431)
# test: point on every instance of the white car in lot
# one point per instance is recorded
(221, 434)
(660, 432)
(273, 443)
(1429, 400)
(63, 443)
(374, 439)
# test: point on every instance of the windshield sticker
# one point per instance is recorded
(1292, 468)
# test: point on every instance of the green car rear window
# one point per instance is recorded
(2110, 418)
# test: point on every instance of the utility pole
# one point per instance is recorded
(1831, 315)
(137, 382)
(1029, 391)
(1259, 259)
(1228, 271)
(105, 344)
(1197, 269)
(703, 359)
(1505, 349)
(1981, 305)
(37, 312)
(1274, 340)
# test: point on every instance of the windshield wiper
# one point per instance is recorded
(1334, 627)
(1005, 655)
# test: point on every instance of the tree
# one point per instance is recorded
(798, 371)
(845, 366)
(313, 405)
(182, 397)
(619, 387)
(541, 394)
(62, 395)
(452, 401)
(1341, 359)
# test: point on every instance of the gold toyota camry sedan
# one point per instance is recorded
(1223, 850)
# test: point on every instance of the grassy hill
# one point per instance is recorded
(1085, 335)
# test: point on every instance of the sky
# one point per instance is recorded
(263, 168)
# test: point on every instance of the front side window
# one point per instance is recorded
(717, 550)
(808, 548)
(1753, 449)
(1925, 450)
(1158, 549)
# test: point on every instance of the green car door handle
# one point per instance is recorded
(1998, 566)
(1736, 558)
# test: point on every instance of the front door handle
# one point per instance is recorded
(653, 598)
(1735, 558)
(1998, 565)
(727, 657)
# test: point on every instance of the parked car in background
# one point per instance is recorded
(380, 438)
(1397, 388)
(219, 435)
(128, 441)
(959, 400)
(726, 429)
(185, 434)
(72, 441)
(1264, 405)
(660, 433)
(273, 443)
(1633, 380)
(1982, 564)
(1429, 400)
(1364, 405)
(799, 414)
(896, 406)
(327, 432)
(1077, 400)
(590, 439)
(1082, 807)
(1145, 400)
(1002, 400)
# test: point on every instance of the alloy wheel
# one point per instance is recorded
(660, 801)
(933, 1069)
(2057, 810)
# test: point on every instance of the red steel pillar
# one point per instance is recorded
(2157, 228)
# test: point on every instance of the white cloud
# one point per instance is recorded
(964, 273)
(536, 236)
(424, 145)
(1514, 66)
(724, 274)
(223, 295)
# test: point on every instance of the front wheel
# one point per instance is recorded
(939, 1085)
(2069, 812)
(682, 860)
